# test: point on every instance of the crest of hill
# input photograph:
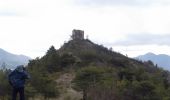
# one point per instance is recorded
(78, 47)
(90, 53)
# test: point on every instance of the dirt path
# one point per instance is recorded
(68, 93)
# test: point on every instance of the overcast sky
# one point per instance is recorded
(131, 27)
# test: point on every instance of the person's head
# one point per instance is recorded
(20, 68)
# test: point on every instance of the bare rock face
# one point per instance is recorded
(77, 34)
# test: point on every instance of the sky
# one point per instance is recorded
(132, 27)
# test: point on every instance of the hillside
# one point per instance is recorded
(81, 69)
(11, 60)
(99, 74)
(161, 60)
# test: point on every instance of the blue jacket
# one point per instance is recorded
(17, 78)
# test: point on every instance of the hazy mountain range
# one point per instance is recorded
(161, 60)
(11, 60)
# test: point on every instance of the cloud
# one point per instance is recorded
(144, 39)
(8, 13)
(121, 2)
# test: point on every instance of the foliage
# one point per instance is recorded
(51, 60)
(91, 77)
(67, 59)
(100, 74)
(5, 88)
(124, 84)
(40, 81)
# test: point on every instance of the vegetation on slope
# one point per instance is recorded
(97, 73)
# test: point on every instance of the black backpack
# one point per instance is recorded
(13, 79)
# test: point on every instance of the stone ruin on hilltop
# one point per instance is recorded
(77, 34)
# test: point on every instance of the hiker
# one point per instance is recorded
(17, 81)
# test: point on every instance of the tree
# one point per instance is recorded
(51, 60)
(67, 59)
(5, 88)
(144, 90)
(91, 77)
(41, 83)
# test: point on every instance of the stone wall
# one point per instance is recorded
(77, 34)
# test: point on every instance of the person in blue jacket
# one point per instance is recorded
(17, 81)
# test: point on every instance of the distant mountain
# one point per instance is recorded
(11, 60)
(161, 60)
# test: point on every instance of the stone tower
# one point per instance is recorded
(77, 34)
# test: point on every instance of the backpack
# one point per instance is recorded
(14, 80)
